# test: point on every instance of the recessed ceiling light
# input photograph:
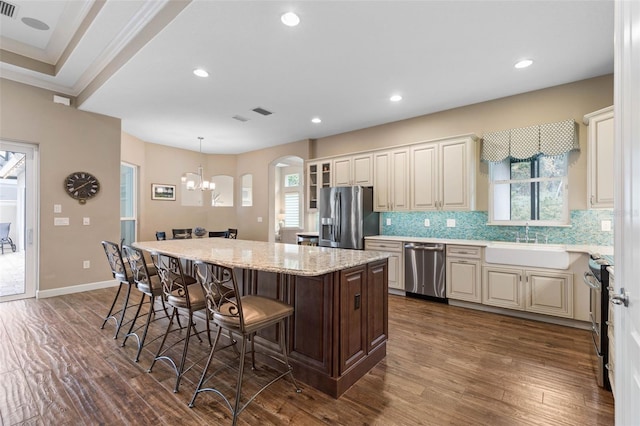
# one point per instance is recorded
(316, 120)
(290, 19)
(395, 98)
(523, 63)
(35, 23)
(200, 72)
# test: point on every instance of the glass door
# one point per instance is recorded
(18, 220)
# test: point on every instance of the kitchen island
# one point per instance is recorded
(339, 328)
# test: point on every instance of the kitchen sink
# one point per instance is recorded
(552, 256)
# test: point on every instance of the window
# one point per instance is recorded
(247, 190)
(292, 180)
(292, 209)
(533, 191)
(128, 197)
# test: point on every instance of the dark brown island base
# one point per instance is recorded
(339, 328)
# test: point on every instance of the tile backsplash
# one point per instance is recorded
(585, 227)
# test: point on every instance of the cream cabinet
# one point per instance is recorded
(391, 180)
(463, 274)
(442, 174)
(600, 158)
(318, 177)
(546, 292)
(396, 260)
(353, 170)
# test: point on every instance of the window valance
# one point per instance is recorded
(549, 139)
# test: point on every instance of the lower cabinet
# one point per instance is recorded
(463, 273)
(363, 312)
(396, 260)
(546, 292)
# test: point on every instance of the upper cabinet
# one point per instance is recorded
(391, 180)
(442, 174)
(433, 175)
(318, 176)
(600, 158)
(353, 170)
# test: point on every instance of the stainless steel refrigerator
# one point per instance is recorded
(346, 216)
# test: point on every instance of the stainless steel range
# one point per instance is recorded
(597, 278)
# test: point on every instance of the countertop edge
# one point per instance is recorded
(574, 248)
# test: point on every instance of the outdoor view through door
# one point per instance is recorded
(17, 221)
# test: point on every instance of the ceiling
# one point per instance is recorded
(134, 60)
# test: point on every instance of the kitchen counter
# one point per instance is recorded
(269, 257)
(575, 248)
(339, 328)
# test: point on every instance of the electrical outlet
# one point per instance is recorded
(451, 223)
(86, 264)
(60, 221)
(57, 208)
(86, 221)
(427, 222)
(259, 219)
(605, 225)
(388, 221)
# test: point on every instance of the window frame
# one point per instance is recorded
(535, 181)
(134, 202)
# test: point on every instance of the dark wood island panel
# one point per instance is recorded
(340, 324)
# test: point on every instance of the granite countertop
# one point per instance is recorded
(589, 249)
(263, 256)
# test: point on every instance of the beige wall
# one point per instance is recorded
(162, 164)
(572, 100)
(68, 140)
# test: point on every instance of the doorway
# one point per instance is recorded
(18, 219)
(286, 217)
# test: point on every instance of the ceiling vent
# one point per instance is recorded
(262, 111)
(7, 9)
(240, 118)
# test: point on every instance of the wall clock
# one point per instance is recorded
(81, 186)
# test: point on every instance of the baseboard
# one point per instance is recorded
(43, 294)
(567, 322)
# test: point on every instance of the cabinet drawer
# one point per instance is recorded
(472, 252)
(393, 246)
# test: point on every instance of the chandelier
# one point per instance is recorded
(195, 180)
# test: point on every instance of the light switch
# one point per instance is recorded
(388, 221)
(57, 208)
(60, 221)
(605, 225)
(451, 223)
(86, 221)
(427, 222)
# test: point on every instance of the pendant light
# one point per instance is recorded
(195, 180)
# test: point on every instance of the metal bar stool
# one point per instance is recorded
(148, 282)
(121, 271)
(181, 292)
(244, 316)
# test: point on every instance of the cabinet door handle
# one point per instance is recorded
(592, 200)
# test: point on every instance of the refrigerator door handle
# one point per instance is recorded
(339, 217)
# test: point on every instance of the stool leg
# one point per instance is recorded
(113, 304)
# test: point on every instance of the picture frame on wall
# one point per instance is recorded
(163, 192)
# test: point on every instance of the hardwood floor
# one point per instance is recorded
(445, 365)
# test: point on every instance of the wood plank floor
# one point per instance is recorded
(445, 365)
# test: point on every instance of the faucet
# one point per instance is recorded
(526, 232)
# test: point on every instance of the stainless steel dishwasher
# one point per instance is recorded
(424, 270)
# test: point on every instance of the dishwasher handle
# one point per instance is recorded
(425, 247)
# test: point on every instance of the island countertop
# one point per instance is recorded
(260, 255)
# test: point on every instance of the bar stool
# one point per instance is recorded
(245, 316)
(150, 286)
(181, 292)
(121, 272)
